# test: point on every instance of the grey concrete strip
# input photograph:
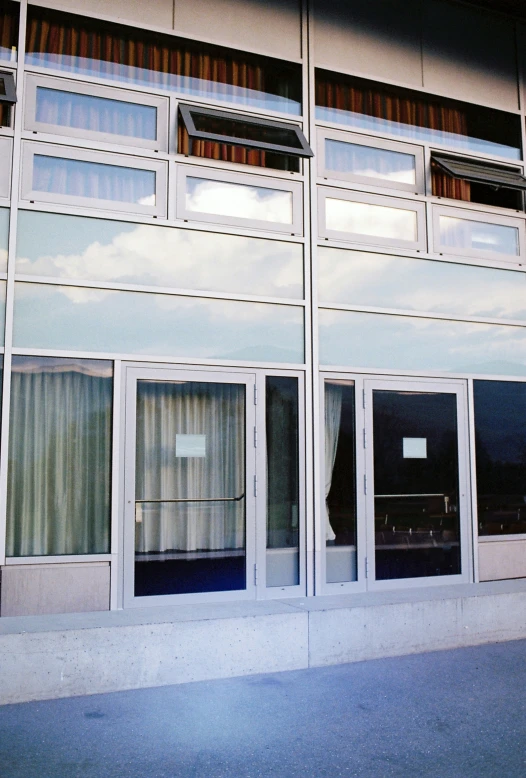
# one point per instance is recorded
(450, 714)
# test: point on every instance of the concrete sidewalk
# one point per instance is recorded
(447, 714)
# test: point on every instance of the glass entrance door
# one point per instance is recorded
(416, 492)
(189, 509)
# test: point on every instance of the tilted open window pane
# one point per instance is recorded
(7, 88)
(481, 172)
(477, 182)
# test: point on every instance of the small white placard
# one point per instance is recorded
(415, 448)
(190, 445)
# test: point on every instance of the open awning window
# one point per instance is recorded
(481, 172)
(249, 132)
(7, 88)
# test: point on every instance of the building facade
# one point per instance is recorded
(261, 267)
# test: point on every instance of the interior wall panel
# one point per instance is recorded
(469, 54)
(376, 38)
(270, 27)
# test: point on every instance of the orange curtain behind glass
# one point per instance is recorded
(8, 43)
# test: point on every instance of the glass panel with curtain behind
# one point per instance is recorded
(340, 481)
(9, 14)
(282, 433)
(382, 341)
(4, 238)
(80, 318)
(93, 180)
(371, 162)
(190, 488)
(376, 221)
(95, 114)
(92, 47)
(369, 106)
(415, 284)
(58, 490)
(83, 248)
(462, 234)
(500, 447)
(239, 201)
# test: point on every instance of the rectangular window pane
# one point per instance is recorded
(411, 343)
(93, 180)
(500, 443)
(461, 234)
(3, 287)
(340, 481)
(105, 50)
(58, 494)
(281, 415)
(373, 220)
(370, 162)
(78, 247)
(239, 201)
(95, 114)
(164, 325)
(4, 238)
(9, 13)
(364, 278)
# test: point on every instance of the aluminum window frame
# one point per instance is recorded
(27, 193)
(352, 138)
(261, 182)
(6, 153)
(416, 206)
(486, 218)
(187, 110)
(8, 78)
(33, 82)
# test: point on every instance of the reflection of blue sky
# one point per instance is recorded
(77, 247)
(83, 319)
(365, 219)
(4, 238)
(406, 343)
(239, 201)
(369, 161)
(3, 286)
(363, 278)
(478, 236)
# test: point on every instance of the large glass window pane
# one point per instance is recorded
(462, 234)
(76, 318)
(95, 114)
(78, 247)
(190, 488)
(364, 278)
(340, 481)
(370, 162)
(4, 238)
(500, 446)
(283, 564)
(413, 343)
(9, 13)
(239, 201)
(374, 220)
(58, 494)
(93, 180)
(103, 50)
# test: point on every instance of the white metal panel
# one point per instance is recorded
(502, 558)
(469, 54)
(157, 13)
(376, 38)
(6, 154)
(271, 27)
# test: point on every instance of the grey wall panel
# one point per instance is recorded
(469, 54)
(158, 13)
(376, 38)
(500, 559)
(267, 26)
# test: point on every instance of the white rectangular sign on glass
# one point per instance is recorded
(190, 445)
(414, 448)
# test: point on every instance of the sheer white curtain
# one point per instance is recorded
(166, 410)
(59, 457)
(333, 413)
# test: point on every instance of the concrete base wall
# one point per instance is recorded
(59, 656)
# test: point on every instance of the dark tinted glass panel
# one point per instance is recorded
(95, 48)
(340, 481)
(444, 185)
(9, 13)
(415, 484)
(58, 493)
(366, 105)
(237, 128)
(282, 481)
(500, 440)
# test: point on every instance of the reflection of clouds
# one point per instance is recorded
(363, 278)
(369, 161)
(375, 220)
(48, 316)
(464, 233)
(239, 200)
(3, 260)
(399, 342)
(160, 256)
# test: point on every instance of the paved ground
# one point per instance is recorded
(450, 714)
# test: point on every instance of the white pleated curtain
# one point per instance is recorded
(164, 411)
(333, 414)
(59, 458)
